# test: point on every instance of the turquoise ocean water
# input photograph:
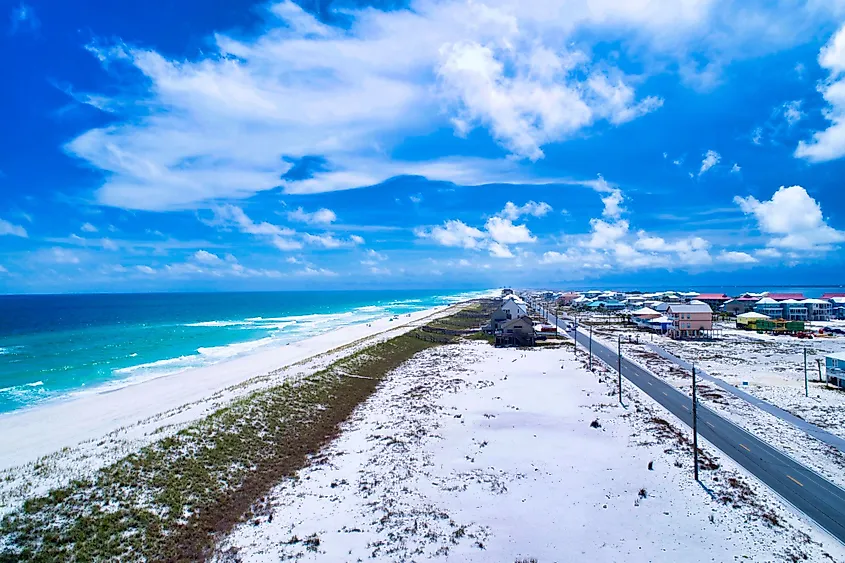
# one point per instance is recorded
(54, 346)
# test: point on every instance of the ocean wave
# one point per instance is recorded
(370, 309)
(231, 350)
(22, 388)
(217, 323)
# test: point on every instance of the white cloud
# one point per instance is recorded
(499, 250)
(793, 218)
(453, 233)
(757, 136)
(503, 231)
(328, 240)
(320, 217)
(23, 17)
(792, 112)
(205, 257)
(768, 253)
(735, 257)
(7, 228)
(415, 198)
(736, 168)
(63, 256)
(829, 144)
(231, 216)
(88, 228)
(315, 272)
(711, 159)
(145, 270)
(605, 235)
(3, 270)
(231, 122)
(533, 208)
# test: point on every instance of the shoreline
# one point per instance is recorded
(32, 433)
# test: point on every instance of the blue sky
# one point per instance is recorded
(240, 145)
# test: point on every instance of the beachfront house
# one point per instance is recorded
(837, 307)
(818, 309)
(713, 300)
(793, 310)
(748, 321)
(690, 320)
(518, 331)
(769, 307)
(740, 305)
(514, 306)
(566, 299)
(835, 369)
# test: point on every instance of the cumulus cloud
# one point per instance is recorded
(320, 217)
(88, 228)
(453, 233)
(235, 120)
(205, 257)
(829, 144)
(793, 218)
(711, 159)
(735, 257)
(736, 168)
(533, 208)
(7, 228)
(503, 231)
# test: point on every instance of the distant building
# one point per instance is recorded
(692, 320)
(567, 299)
(506, 292)
(835, 369)
(740, 305)
(795, 310)
(769, 307)
(606, 306)
(514, 306)
(830, 295)
(837, 310)
(784, 296)
(516, 332)
(818, 309)
(714, 300)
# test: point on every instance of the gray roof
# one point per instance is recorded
(691, 308)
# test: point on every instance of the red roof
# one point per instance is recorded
(747, 299)
(712, 296)
(834, 294)
(782, 296)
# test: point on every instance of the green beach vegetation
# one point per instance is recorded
(172, 499)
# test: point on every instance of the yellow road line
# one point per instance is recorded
(746, 447)
(796, 480)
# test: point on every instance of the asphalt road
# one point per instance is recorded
(805, 489)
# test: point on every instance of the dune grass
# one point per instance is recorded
(172, 499)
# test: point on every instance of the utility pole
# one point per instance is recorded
(591, 347)
(694, 426)
(619, 364)
(575, 338)
(806, 384)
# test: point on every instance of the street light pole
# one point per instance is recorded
(694, 426)
(619, 365)
(806, 384)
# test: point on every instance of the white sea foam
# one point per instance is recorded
(217, 323)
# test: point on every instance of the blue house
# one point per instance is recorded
(609, 305)
(835, 369)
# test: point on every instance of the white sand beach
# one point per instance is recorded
(473, 453)
(139, 411)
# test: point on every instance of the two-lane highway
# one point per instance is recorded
(805, 489)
